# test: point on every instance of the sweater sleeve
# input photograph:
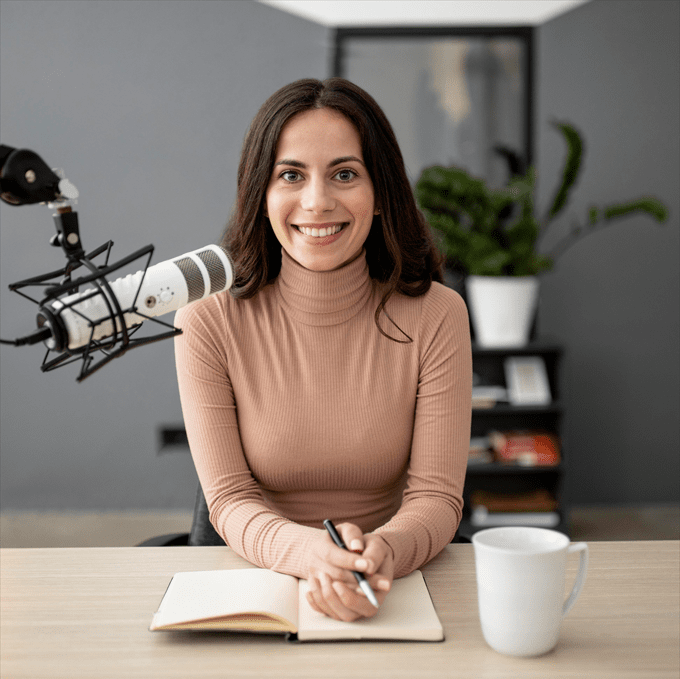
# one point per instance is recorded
(237, 507)
(433, 499)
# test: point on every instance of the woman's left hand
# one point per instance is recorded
(343, 601)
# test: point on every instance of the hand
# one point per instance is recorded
(333, 590)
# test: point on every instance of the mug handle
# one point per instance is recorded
(580, 576)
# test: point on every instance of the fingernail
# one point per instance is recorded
(356, 545)
(384, 585)
(361, 564)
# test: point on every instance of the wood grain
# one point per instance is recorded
(76, 613)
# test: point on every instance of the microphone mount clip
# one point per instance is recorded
(61, 282)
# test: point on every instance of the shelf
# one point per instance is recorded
(467, 530)
(489, 366)
(552, 409)
(509, 469)
(528, 350)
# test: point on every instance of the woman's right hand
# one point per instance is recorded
(333, 589)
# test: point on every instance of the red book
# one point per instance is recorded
(527, 448)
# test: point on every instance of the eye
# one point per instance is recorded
(346, 175)
(290, 176)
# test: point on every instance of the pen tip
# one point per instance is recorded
(370, 595)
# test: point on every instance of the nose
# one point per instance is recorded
(317, 197)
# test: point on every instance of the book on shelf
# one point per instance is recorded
(535, 508)
(484, 397)
(263, 601)
(480, 451)
(525, 448)
(539, 500)
(482, 518)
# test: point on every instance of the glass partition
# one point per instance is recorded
(452, 95)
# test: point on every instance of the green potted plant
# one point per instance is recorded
(491, 236)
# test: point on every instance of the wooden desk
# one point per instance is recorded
(85, 613)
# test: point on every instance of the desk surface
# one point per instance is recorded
(85, 613)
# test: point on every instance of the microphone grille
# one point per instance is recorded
(215, 267)
(193, 276)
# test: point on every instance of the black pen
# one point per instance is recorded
(363, 583)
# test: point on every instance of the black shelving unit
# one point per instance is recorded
(488, 365)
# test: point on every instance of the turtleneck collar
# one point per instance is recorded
(323, 297)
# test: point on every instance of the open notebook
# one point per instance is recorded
(260, 600)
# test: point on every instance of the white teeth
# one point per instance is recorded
(320, 233)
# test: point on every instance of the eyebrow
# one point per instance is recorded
(333, 163)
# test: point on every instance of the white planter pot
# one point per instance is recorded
(502, 309)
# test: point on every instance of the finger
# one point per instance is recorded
(380, 595)
(355, 601)
(322, 607)
(329, 591)
(379, 554)
(380, 583)
(317, 596)
(383, 578)
(341, 562)
(318, 602)
(347, 605)
(375, 559)
(312, 603)
(336, 562)
(352, 536)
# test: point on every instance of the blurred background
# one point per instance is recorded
(145, 106)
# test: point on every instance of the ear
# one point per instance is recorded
(377, 211)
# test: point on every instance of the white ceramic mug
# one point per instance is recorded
(520, 585)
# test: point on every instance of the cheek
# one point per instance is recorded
(276, 208)
(363, 207)
(278, 212)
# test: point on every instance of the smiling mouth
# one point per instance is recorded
(321, 233)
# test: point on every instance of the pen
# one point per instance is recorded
(363, 583)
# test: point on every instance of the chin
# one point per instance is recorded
(319, 263)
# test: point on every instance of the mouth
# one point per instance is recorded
(321, 231)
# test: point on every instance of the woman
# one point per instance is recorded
(334, 380)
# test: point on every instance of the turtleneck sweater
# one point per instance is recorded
(297, 409)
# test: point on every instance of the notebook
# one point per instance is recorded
(263, 601)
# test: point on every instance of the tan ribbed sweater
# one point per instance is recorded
(297, 409)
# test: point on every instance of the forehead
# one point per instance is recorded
(319, 131)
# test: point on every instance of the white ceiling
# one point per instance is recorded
(336, 13)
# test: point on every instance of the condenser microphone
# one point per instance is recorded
(95, 314)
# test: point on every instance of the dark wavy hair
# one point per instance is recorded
(400, 250)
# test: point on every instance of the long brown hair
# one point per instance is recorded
(400, 251)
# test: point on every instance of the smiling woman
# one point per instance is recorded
(399, 250)
(320, 199)
(334, 380)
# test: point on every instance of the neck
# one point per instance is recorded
(324, 297)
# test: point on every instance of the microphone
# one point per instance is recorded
(95, 314)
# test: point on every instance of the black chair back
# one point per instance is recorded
(202, 532)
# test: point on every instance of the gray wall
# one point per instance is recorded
(613, 69)
(145, 105)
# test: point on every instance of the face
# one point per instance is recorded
(320, 198)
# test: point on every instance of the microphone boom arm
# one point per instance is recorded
(26, 179)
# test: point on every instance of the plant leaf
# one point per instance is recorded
(650, 205)
(571, 167)
(515, 161)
